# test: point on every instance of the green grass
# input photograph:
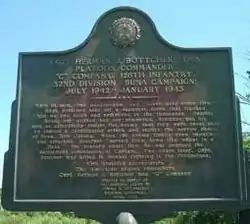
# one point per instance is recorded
(40, 218)
(7, 217)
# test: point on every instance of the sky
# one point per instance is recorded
(52, 25)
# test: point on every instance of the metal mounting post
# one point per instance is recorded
(126, 218)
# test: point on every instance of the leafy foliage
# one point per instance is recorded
(7, 217)
(208, 217)
(247, 144)
(40, 218)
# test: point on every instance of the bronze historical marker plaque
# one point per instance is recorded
(125, 122)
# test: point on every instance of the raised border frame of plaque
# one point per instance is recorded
(146, 209)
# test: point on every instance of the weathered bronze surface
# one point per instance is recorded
(125, 122)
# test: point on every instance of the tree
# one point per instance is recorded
(246, 142)
(245, 98)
